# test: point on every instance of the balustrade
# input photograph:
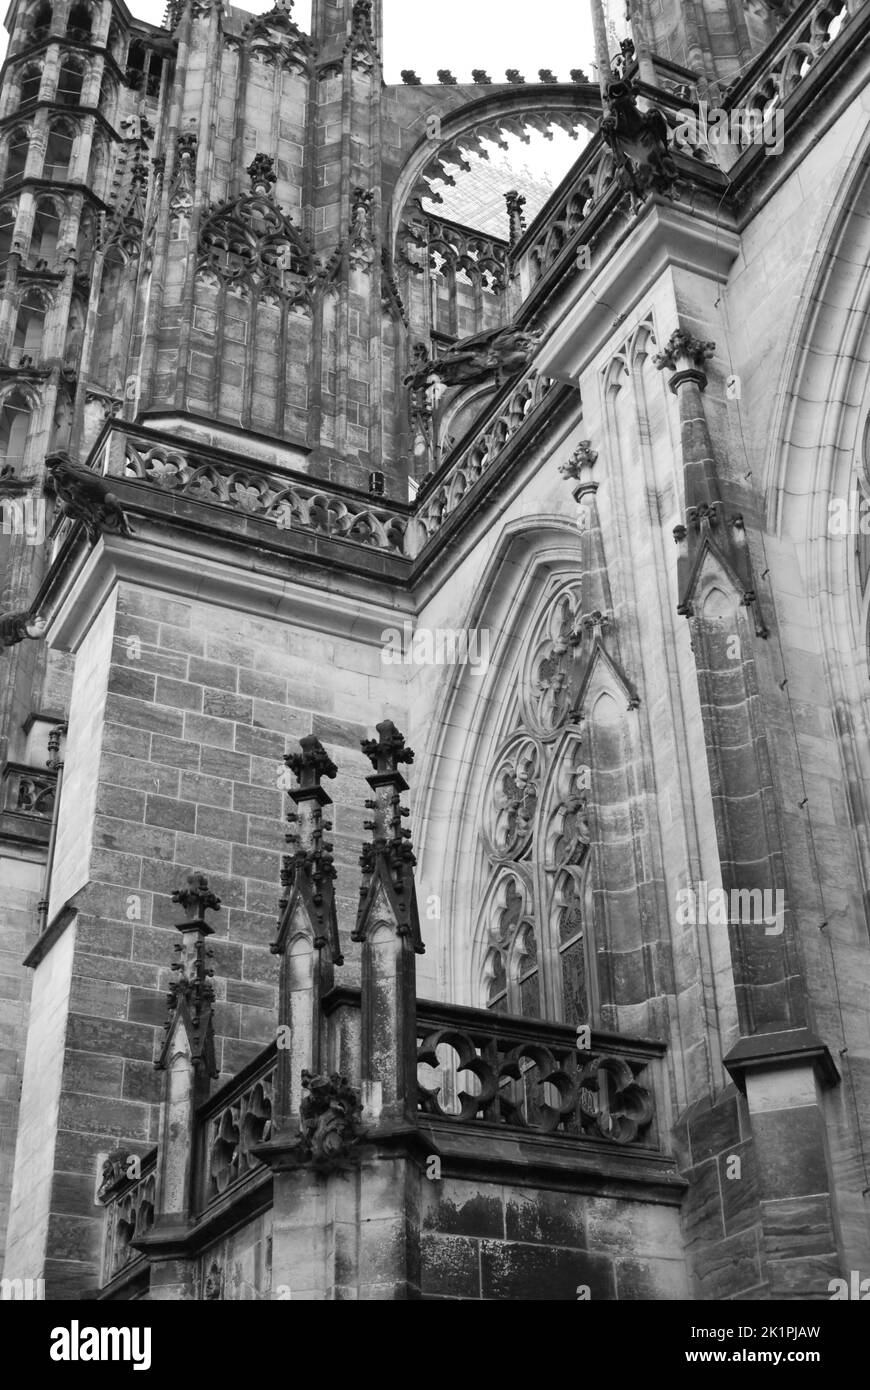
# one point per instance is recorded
(482, 1067)
(129, 1216)
(232, 1123)
(257, 492)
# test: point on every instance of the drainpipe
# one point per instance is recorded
(54, 764)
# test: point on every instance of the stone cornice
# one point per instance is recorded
(666, 236)
(206, 569)
(765, 1052)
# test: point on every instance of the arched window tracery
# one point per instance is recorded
(535, 921)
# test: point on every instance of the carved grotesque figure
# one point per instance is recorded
(86, 497)
(329, 1116)
(500, 353)
(14, 627)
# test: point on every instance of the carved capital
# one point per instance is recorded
(330, 1127)
(685, 356)
(579, 466)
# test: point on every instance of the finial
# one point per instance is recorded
(388, 750)
(196, 899)
(310, 871)
(516, 220)
(311, 764)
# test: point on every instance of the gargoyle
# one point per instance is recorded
(114, 1172)
(329, 1119)
(86, 497)
(14, 627)
(500, 353)
(638, 141)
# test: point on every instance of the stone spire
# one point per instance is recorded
(187, 1058)
(191, 995)
(388, 862)
(516, 218)
(388, 926)
(308, 874)
(308, 940)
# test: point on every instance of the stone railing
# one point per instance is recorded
(474, 1065)
(232, 1123)
(550, 234)
(428, 242)
(806, 35)
(129, 1216)
(562, 220)
(287, 501)
(446, 489)
(29, 791)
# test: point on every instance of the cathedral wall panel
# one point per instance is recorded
(239, 1268)
(36, 1158)
(498, 1241)
(20, 889)
(198, 705)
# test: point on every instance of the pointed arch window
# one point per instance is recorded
(41, 24)
(78, 25)
(537, 916)
(31, 81)
(70, 81)
(29, 327)
(46, 233)
(59, 151)
(136, 60)
(17, 147)
(16, 412)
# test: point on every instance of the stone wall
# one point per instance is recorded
(503, 1242)
(179, 725)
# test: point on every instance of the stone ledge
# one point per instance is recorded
(773, 1051)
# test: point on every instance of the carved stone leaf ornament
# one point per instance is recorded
(330, 1125)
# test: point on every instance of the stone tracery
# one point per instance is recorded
(535, 832)
(252, 246)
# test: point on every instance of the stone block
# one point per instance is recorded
(171, 814)
(533, 1273)
(536, 1216)
(450, 1266)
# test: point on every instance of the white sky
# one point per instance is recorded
(463, 34)
(459, 35)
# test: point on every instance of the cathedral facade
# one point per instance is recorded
(434, 853)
